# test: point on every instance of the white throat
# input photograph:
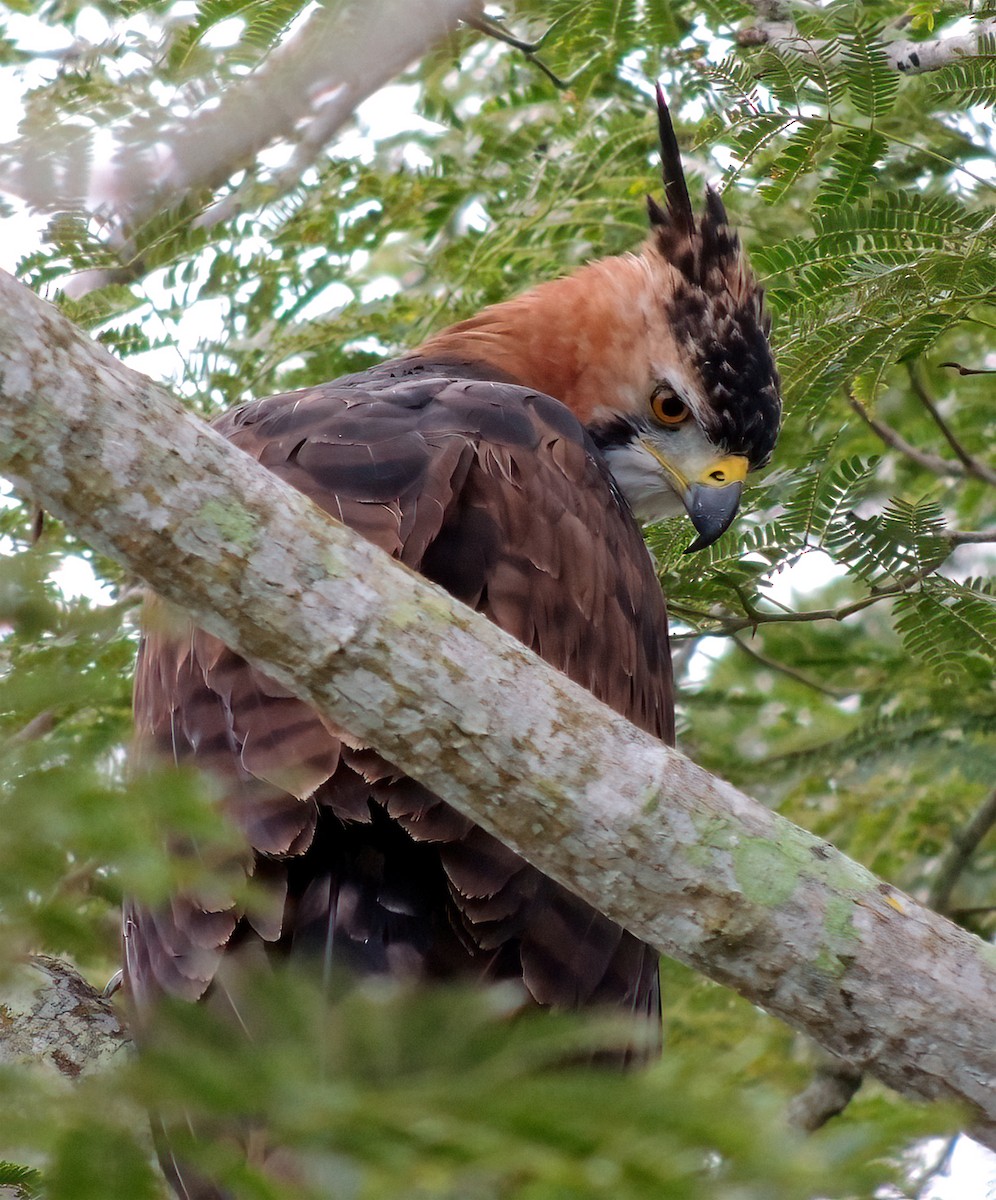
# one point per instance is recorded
(643, 483)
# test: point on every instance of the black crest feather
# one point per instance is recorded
(679, 207)
(714, 308)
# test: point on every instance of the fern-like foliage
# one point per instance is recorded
(20, 1183)
(878, 283)
(905, 542)
(970, 80)
(825, 493)
(950, 627)
(263, 22)
(872, 81)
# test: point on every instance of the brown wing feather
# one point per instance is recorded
(497, 494)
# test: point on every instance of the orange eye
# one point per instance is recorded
(667, 408)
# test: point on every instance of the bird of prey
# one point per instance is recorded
(511, 459)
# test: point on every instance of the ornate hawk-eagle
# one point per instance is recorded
(511, 459)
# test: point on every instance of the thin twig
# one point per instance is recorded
(930, 462)
(963, 845)
(790, 672)
(528, 49)
(755, 617)
(940, 1166)
(972, 465)
(36, 728)
(965, 537)
(909, 581)
(962, 370)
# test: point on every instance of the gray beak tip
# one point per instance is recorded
(711, 510)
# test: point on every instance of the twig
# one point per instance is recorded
(907, 582)
(727, 625)
(972, 465)
(941, 1165)
(963, 845)
(964, 537)
(790, 672)
(37, 727)
(930, 462)
(969, 370)
(827, 1095)
(493, 29)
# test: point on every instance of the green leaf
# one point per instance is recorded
(952, 628)
(854, 163)
(824, 495)
(904, 541)
(24, 1182)
(798, 156)
(873, 83)
(967, 81)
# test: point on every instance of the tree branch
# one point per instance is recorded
(678, 856)
(830, 1091)
(304, 92)
(972, 465)
(835, 1081)
(961, 368)
(529, 50)
(907, 57)
(51, 1018)
(789, 672)
(963, 846)
(966, 537)
(930, 462)
(754, 618)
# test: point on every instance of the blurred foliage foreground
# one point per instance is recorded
(863, 708)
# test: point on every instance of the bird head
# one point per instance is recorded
(703, 405)
(662, 355)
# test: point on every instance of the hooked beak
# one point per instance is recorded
(711, 510)
(712, 500)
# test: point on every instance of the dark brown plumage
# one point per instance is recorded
(497, 494)
(505, 460)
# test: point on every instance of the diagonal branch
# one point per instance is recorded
(963, 846)
(53, 1017)
(789, 672)
(725, 623)
(905, 56)
(834, 1084)
(303, 93)
(967, 537)
(972, 465)
(529, 50)
(962, 369)
(679, 857)
(930, 462)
